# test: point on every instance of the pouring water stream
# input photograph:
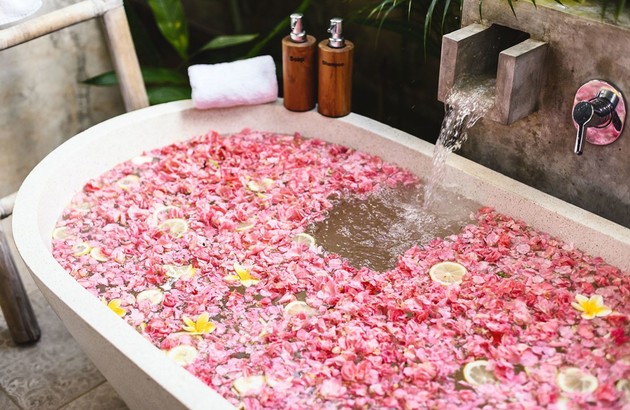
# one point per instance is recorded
(465, 105)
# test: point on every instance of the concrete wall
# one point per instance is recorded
(538, 150)
(43, 102)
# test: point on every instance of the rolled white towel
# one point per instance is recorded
(243, 82)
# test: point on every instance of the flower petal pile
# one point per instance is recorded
(528, 308)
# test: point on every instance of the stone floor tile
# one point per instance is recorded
(53, 372)
(50, 373)
(6, 403)
(103, 397)
(49, 382)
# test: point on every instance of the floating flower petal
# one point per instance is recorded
(114, 305)
(243, 276)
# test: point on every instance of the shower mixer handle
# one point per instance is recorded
(599, 112)
(582, 114)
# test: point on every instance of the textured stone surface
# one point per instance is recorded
(6, 403)
(50, 373)
(53, 373)
(538, 150)
(101, 398)
(44, 102)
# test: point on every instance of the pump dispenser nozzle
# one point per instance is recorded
(298, 34)
(336, 38)
(334, 85)
(299, 59)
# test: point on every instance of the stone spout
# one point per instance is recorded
(516, 61)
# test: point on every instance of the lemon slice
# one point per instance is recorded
(243, 226)
(82, 207)
(176, 226)
(261, 186)
(478, 372)
(183, 355)
(246, 386)
(562, 403)
(304, 239)
(128, 181)
(447, 273)
(61, 233)
(161, 212)
(176, 272)
(98, 255)
(574, 380)
(142, 159)
(120, 257)
(81, 248)
(154, 296)
(297, 306)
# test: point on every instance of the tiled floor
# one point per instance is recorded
(53, 373)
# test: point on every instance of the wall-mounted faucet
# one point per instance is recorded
(598, 114)
(516, 61)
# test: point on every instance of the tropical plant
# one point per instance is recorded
(168, 81)
(380, 10)
(415, 17)
(424, 12)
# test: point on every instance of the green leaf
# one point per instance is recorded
(170, 18)
(163, 76)
(144, 43)
(150, 75)
(162, 94)
(107, 79)
(511, 3)
(604, 7)
(427, 24)
(228, 41)
(447, 4)
(620, 6)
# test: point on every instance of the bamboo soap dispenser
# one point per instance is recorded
(334, 92)
(298, 67)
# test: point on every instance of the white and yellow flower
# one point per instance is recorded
(591, 307)
(242, 275)
(199, 327)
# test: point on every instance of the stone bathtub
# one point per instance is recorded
(140, 373)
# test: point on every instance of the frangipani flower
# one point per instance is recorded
(114, 305)
(201, 326)
(591, 307)
(242, 275)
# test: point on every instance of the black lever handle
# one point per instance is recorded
(616, 121)
(582, 114)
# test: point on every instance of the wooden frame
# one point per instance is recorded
(14, 302)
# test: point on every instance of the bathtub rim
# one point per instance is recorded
(183, 386)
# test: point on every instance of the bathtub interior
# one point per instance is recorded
(133, 366)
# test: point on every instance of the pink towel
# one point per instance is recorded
(244, 82)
